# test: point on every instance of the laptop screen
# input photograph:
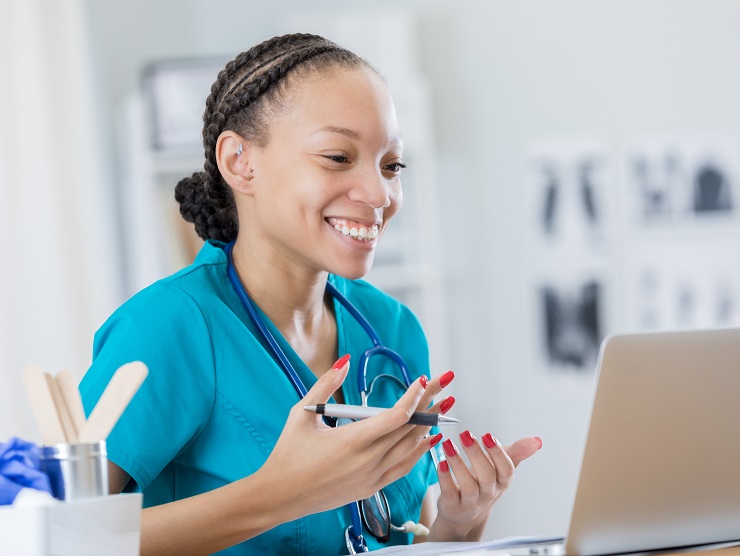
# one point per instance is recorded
(661, 465)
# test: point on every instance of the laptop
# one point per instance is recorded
(661, 464)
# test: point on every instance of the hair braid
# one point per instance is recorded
(239, 100)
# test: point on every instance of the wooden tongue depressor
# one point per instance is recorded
(116, 397)
(70, 432)
(71, 394)
(44, 406)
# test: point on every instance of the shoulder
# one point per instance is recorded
(197, 281)
(178, 302)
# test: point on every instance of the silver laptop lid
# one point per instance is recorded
(661, 465)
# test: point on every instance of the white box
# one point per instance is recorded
(104, 526)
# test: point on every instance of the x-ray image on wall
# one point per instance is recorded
(568, 194)
(572, 324)
(682, 179)
(687, 286)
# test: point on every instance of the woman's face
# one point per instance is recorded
(328, 181)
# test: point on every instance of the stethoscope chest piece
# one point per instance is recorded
(356, 545)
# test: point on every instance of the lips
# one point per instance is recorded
(361, 231)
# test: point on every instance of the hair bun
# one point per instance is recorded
(197, 207)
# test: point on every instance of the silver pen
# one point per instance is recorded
(363, 412)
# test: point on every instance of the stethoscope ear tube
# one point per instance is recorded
(378, 349)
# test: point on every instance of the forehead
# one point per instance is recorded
(339, 98)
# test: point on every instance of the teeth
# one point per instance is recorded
(363, 233)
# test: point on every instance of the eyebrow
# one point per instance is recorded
(351, 133)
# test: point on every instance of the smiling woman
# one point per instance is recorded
(302, 175)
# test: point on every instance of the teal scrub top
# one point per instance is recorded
(215, 400)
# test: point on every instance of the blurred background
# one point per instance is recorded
(573, 172)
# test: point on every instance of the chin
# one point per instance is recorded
(353, 275)
(353, 271)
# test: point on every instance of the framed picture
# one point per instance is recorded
(682, 180)
(569, 189)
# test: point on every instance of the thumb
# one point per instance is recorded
(523, 448)
(328, 383)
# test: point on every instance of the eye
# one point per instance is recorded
(340, 158)
(395, 167)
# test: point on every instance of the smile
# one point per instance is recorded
(355, 230)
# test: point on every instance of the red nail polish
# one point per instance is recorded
(467, 439)
(341, 362)
(446, 378)
(540, 441)
(444, 467)
(450, 450)
(488, 440)
(445, 406)
(423, 380)
(435, 440)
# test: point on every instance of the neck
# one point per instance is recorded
(292, 297)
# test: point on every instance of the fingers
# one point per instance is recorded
(490, 464)
(448, 489)
(500, 459)
(434, 387)
(524, 448)
(406, 462)
(443, 406)
(467, 482)
(431, 389)
(393, 422)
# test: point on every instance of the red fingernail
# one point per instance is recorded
(467, 439)
(341, 362)
(445, 406)
(488, 440)
(449, 447)
(444, 467)
(446, 378)
(435, 440)
(539, 440)
(423, 380)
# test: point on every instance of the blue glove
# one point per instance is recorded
(19, 468)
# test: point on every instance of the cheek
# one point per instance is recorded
(396, 197)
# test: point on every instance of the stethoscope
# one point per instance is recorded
(353, 533)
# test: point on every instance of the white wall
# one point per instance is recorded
(504, 75)
(58, 278)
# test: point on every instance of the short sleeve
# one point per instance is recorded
(164, 328)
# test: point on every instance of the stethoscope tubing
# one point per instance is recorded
(378, 349)
(288, 369)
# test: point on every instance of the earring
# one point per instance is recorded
(250, 176)
(239, 150)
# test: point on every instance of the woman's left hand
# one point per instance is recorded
(468, 493)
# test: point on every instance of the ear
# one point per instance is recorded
(233, 155)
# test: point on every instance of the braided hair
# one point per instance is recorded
(244, 95)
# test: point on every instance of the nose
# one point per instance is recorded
(372, 189)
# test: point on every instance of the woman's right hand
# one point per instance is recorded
(329, 467)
